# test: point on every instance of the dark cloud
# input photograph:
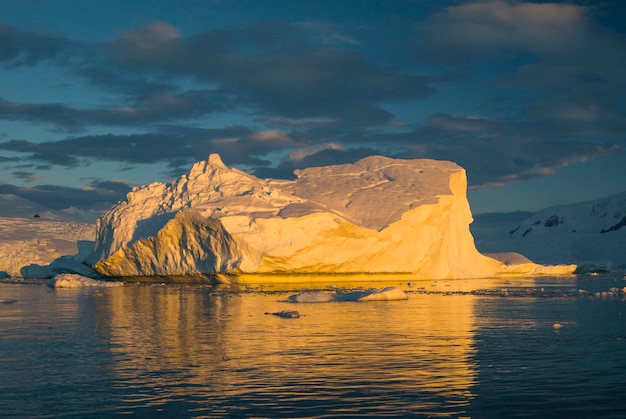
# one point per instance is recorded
(561, 70)
(111, 187)
(567, 68)
(279, 73)
(21, 48)
(61, 197)
(175, 146)
(4, 159)
(148, 109)
(26, 176)
(495, 152)
(269, 66)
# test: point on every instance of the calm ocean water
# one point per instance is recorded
(532, 347)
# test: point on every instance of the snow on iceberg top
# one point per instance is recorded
(375, 191)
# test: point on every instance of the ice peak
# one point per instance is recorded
(216, 161)
(212, 165)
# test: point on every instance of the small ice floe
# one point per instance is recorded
(557, 326)
(612, 292)
(286, 314)
(311, 297)
(380, 294)
(384, 294)
(78, 281)
(7, 301)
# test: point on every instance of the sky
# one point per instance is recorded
(97, 97)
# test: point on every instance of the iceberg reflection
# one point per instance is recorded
(217, 350)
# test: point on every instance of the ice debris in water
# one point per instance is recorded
(78, 281)
(311, 297)
(380, 294)
(287, 314)
(612, 292)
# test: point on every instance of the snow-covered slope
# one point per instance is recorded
(587, 233)
(376, 215)
(32, 237)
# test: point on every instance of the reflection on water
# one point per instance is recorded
(230, 357)
(489, 348)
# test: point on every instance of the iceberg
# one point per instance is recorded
(79, 281)
(377, 215)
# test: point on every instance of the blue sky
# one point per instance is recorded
(99, 96)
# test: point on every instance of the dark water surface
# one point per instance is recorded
(532, 347)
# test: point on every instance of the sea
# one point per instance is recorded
(551, 347)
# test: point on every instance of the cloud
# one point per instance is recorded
(174, 145)
(495, 152)
(148, 109)
(26, 176)
(274, 69)
(499, 27)
(277, 71)
(113, 187)
(553, 59)
(22, 48)
(328, 33)
(61, 197)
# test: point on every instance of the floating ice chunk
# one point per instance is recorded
(384, 294)
(312, 297)
(7, 301)
(380, 294)
(78, 281)
(287, 314)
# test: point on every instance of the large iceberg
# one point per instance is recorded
(378, 215)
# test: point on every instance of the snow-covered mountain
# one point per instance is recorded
(36, 241)
(376, 215)
(591, 233)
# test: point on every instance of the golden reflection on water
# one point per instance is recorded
(454, 348)
(175, 341)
